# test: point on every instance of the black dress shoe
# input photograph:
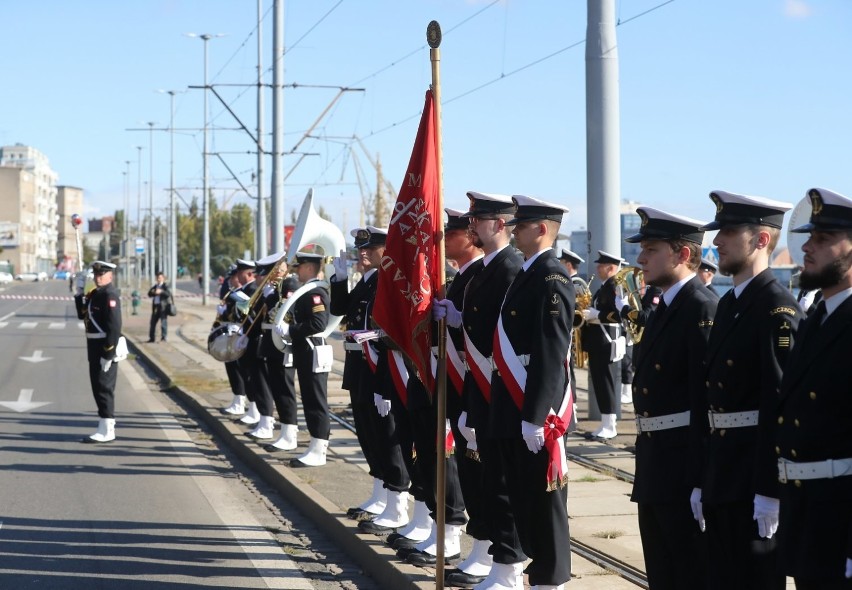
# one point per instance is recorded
(90, 441)
(404, 552)
(368, 526)
(421, 558)
(459, 579)
(295, 463)
(354, 512)
(150, 341)
(392, 538)
(403, 542)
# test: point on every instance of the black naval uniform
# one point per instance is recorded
(482, 300)
(749, 344)
(310, 316)
(602, 371)
(814, 424)
(669, 381)
(101, 311)
(537, 315)
(276, 365)
(249, 364)
(354, 306)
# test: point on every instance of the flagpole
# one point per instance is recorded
(433, 37)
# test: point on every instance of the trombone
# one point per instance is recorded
(584, 300)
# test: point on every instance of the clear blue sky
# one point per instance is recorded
(749, 97)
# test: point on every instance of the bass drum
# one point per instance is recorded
(222, 342)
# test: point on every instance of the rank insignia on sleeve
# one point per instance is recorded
(783, 342)
(318, 308)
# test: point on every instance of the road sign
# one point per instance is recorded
(140, 245)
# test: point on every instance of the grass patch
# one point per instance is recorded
(590, 478)
(200, 383)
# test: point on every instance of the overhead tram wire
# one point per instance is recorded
(503, 76)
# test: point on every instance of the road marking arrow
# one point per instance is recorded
(36, 357)
(24, 403)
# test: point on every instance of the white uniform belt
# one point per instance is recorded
(828, 469)
(353, 346)
(662, 422)
(95, 335)
(266, 326)
(732, 419)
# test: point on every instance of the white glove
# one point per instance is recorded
(242, 342)
(341, 271)
(619, 303)
(533, 436)
(383, 405)
(444, 308)
(105, 365)
(80, 282)
(766, 515)
(697, 510)
(282, 329)
(590, 314)
(221, 309)
(268, 290)
(469, 434)
(849, 568)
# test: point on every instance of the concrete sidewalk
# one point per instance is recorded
(602, 515)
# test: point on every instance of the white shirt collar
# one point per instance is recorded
(529, 261)
(468, 263)
(833, 302)
(672, 291)
(489, 257)
(366, 276)
(738, 290)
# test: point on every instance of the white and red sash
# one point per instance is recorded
(370, 355)
(399, 375)
(480, 367)
(455, 365)
(514, 376)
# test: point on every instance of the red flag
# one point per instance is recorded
(409, 274)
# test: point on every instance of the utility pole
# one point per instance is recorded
(277, 126)
(150, 252)
(260, 227)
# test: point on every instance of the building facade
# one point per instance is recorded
(28, 209)
(69, 200)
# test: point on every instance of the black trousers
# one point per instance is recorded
(471, 478)
(424, 426)
(235, 378)
(282, 386)
(257, 387)
(503, 533)
(838, 584)
(314, 391)
(103, 384)
(739, 557)
(541, 517)
(394, 442)
(158, 315)
(604, 375)
(674, 547)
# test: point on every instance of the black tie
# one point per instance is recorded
(813, 323)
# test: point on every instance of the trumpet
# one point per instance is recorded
(584, 300)
(631, 280)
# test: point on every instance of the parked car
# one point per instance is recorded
(31, 276)
(63, 275)
(6, 277)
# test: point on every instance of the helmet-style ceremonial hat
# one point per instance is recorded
(532, 209)
(830, 211)
(100, 267)
(659, 225)
(606, 258)
(488, 205)
(571, 257)
(365, 237)
(733, 209)
(245, 264)
(708, 265)
(455, 220)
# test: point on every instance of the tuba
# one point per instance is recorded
(630, 280)
(584, 300)
(310, 229)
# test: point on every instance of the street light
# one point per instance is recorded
(139, 211)
(172, 217)
(149, 254)
(205, 242)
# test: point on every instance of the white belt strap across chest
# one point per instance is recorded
(665, 422)
(828, 469)
(732, 419)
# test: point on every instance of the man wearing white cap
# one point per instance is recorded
(668, 386)
(601, 335)
(737, 493)
(815, 413)
(100, 308)
(530, 392)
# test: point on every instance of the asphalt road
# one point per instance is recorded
(157, 508)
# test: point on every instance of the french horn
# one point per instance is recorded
(310, 229)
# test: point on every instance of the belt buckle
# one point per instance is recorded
(638, 425)
(782, 471)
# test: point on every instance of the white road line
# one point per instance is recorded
(56, 326)
(28, 325)
(3, 324)
(81, 325)
(274, 566)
